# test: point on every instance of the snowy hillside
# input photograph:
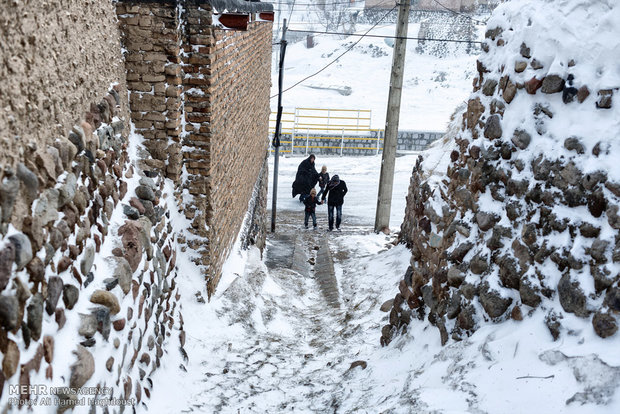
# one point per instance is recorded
(432, 86)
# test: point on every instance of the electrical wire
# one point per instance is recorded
(341, 55)
(376, 6)
(291, 13)
(351, 3)
(388, 37)
(459, 13)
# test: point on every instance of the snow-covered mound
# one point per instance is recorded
(525, 224)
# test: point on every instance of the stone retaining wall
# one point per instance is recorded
(76, 284)
(87, 295)
(526, 220)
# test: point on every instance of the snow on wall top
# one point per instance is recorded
(572, 39)
(237, 6)
(528, 213)
(558, 31)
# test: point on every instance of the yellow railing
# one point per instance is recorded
(324, 119)
(310, 123)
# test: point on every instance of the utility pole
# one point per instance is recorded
(386, 180)
(276, 136)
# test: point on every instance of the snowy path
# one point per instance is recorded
(275, 337)
(270, 341)
(295, 341)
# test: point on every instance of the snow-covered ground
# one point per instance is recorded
(269, 342)
(432, 86)
(361, 175)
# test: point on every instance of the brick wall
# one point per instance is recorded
(239, 127)
(226, 95)
(152, 41)
(200, 97)
(197, 137)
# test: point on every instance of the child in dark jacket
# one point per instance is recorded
(323, 180)
(311, 202)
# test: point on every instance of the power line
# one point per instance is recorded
(328, 4)
(291, 13)
(388, 37)
(459, 13)
(323, 24)
(378, 5)
(295, 24)
(341, 55)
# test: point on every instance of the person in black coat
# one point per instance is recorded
(306, 177)
(311, 202)
(335, 192)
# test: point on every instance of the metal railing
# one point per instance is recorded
(327, 125)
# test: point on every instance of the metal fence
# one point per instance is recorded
(340, 132)
(308, 129)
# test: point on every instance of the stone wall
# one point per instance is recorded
(100, 278)
(200, 96)
(456, 5)
(57, 59)
(448, 26)
(372, 15)
(526, 219)
(87, 253)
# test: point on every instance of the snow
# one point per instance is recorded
(268, 342)
(361, 175)
(556, 32)
(432, 86)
